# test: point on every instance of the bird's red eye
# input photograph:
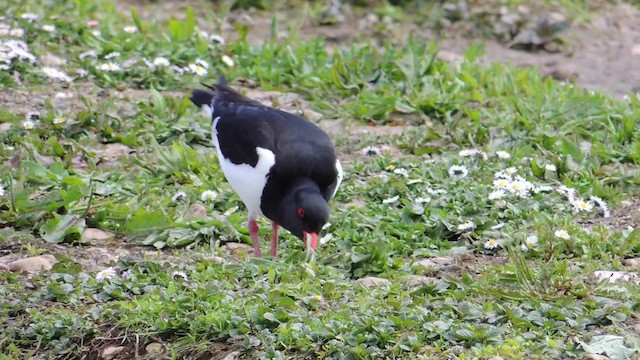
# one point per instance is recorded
(301, 212)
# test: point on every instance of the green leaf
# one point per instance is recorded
(57, 229)
(572, 149)
(144, 220)
(537, 170)
(136, 18)
(610, 345)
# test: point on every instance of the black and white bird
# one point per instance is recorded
(281, 165)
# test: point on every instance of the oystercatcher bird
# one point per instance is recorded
(281, 165)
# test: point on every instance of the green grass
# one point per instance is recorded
(61, 178)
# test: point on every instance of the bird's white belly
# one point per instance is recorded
(247, 181)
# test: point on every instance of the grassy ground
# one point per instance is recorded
(517, 188)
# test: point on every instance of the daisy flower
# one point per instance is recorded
(86, 54)
(497, 194)
(16, 32)
(56, 74)
(215, 38)
(510, 171)
(227, 60)
(30, 17)
(208, 195)
(520, 187)
(503, 154)
(28, 124)
(562, 234)
(391, 200)
(230, 211)
(501, 183)
(602, 205)
(531, 240)
(130, 29)
(542, 188)
(112, 55)
(325, 239)
(197, 69)
(502, 175)
(107, 273)
(422, 200)
(161, 62)
(498, 226)
(125, 274)
(178, 196)
(468, 152)
(433, 191)
(491, 244)
(371, 151)
(2, 190)
(581, 205)
(469, 225)
(110, 67)
(180, 274)
(49, 28)
(458, 171)
(401, 171)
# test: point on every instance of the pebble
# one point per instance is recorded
(371, 281)
(33, 264)
(111, 352)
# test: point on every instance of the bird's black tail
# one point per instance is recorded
(201, 97)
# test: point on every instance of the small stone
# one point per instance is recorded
(4, 127)
(51, 60)
(420, 280)
(154, 348)
(595, 357)
(33, 264)
(96, 234)
(563, 72)
(373, 281)
(215, 259)
(232, 355)
(4, 267)
(43, 159)
(616, 276)
(115, 151)
(196, 211)
(448, 56)
(237, 249)
(435, 262)
(111, 352)
(632, 262)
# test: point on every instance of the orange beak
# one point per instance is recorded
(314, 240)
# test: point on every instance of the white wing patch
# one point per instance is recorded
(247, 181)
(339, 179)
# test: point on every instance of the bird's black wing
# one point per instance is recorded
(240, 131)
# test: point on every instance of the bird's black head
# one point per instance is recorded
(304, 213)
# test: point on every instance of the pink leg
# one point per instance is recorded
(274, 239)
(253, 232)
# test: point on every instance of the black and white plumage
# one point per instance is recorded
(281, 165)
